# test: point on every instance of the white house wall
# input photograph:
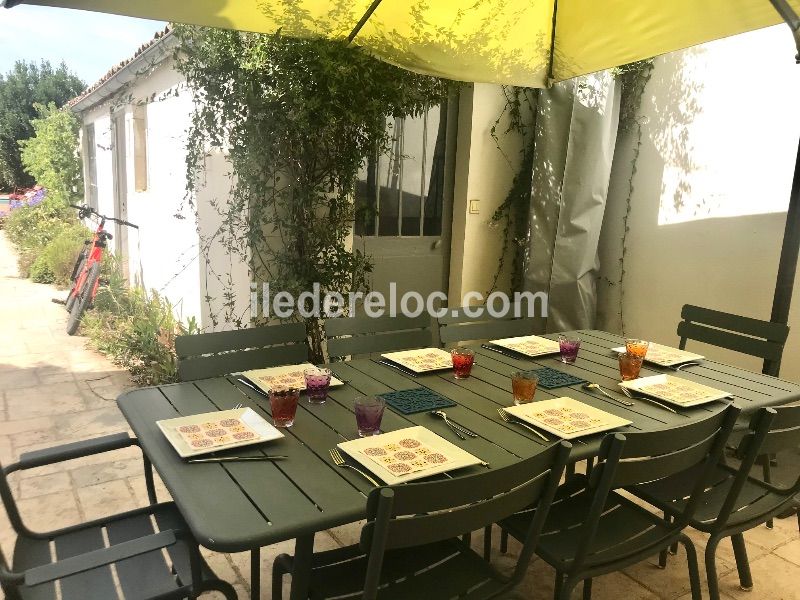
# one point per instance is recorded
(720, 132)
(164, 255)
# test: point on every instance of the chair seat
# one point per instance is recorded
(756, 500)
(143, 576)
(443, 570)
(626, 532)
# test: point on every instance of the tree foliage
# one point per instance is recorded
(297, 119)
(23, 86)
(51, 155)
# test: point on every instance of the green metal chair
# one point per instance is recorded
(592, 530)
(214, 354)
(762, 339)
(362, 335)
(733, 501)
(409, 546)
(149, 562)
(458, 326)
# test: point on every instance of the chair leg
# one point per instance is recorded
(711, 567)
(662, 556)
(767, 472)
(587, 589)
(504, 537)
(567, 587)
(487, 543)
(798, 519)
(742, 564)
(694, 568)
(225, 588)
(557, 585)
(281, 566)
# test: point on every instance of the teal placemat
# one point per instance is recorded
(551, 378)
(416, 400)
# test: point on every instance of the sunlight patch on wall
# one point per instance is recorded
(733, 154)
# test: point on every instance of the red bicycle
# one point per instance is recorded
(86, 272)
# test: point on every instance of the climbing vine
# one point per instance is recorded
(296, 119)
(633, 79)
(512, 213)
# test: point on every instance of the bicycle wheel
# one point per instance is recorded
(83, 299)
(73, 293)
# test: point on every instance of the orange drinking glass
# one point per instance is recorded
(629, 366)
(523, 387)
(637, 347)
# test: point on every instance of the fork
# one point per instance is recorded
(509, 419)
(338, 460)
(596, 386)
(628, 393)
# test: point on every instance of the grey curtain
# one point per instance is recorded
(576, 129)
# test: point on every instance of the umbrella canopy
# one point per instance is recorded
(520, 42)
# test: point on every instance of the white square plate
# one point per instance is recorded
(422, 360)
(263, 430)
(675, 390)
(567, 418)
(529, 345)
(285, 376)
(456, 457)
(664, 355)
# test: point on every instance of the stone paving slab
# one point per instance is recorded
(54, 390)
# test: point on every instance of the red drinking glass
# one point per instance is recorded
(283, 403)
(463, 359)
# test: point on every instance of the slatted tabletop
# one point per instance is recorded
(239, 506)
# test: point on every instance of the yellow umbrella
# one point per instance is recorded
(521, 42)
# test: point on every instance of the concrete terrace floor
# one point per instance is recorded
(54, 390)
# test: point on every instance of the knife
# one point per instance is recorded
(403, 370)
(236, 458)
(253, 387)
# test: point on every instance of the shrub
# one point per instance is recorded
(135, 329)
(60, 254)
(40, 271)
(32, 228)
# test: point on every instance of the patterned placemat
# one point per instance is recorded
(406, 456)
(551, 378)
(416, 400)
(216, 433)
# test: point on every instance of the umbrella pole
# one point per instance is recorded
(787, 267)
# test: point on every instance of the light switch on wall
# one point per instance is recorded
(474, 208)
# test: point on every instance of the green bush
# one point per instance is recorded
(135, 329)
(32, 228)
(60, 254)
(40, 271)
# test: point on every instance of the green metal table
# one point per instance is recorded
(232, 507)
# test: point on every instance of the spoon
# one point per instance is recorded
(457, 429)
(596, 386)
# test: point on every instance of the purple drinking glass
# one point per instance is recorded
(569, 346)
(369, 412)
(317, 383)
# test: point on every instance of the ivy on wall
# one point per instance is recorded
(296, 118)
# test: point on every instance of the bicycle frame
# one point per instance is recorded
(95, 255)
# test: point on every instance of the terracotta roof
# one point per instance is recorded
(118, 67)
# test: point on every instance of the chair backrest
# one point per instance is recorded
(416, 514)
(360, 334)
(213, 354)
(754, 337)
(647, 456)
(771, 430)
(475, 323)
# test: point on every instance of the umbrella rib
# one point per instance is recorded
(792, 20)
(363, 20)
(552, 45)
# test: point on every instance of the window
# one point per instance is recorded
(401, 192)
(140, 148)
(90, 166)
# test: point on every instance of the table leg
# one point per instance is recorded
(255, 574)
(301, 567)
